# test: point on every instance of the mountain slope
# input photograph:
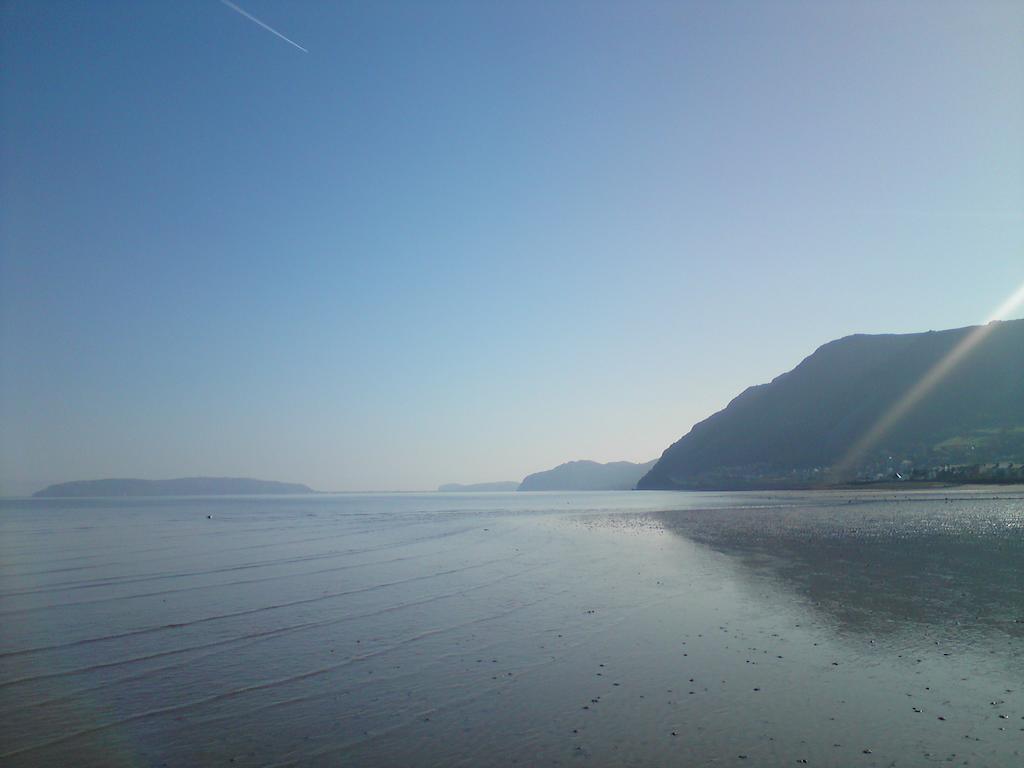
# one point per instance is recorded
(183, 486)
(587, 476)
(815, 416)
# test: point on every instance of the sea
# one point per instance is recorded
(827, 628)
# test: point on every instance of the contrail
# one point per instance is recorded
(267, 27)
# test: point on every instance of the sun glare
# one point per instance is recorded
(928, 382)
(1010, 306)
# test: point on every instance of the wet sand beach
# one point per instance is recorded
(838, 628)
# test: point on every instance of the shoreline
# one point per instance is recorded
(882, 485)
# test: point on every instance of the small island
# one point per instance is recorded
(182, 486)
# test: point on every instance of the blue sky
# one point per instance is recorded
(461, 242)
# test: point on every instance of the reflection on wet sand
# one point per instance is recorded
(951, 565)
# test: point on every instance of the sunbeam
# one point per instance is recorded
(928, 382)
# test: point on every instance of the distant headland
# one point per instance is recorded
(501, 485)
(182, 486)
(571, 476)
(587, 476)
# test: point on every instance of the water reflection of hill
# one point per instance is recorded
(877, 566)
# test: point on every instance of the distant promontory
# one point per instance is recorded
(182, 486)
(501, 485)
(587, 476)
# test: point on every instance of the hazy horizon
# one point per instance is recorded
(465, 243)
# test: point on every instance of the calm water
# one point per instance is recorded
(497, 629)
